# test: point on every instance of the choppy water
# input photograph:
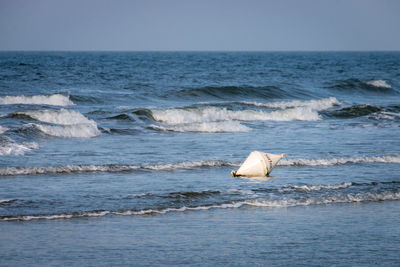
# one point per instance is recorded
(148, 140)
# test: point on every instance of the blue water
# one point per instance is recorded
(125, 158)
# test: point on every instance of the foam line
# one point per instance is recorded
(340, 161)
(260, 203)
(176, 116)
(205, 127)
(55, 100)
(36, 170)
(316, 104)
(62, 116)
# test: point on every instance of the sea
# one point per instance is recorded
(125, 158)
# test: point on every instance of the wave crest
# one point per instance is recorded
(318, 187)
(69, 131)
(176, 116)
(71, 124)
(259, 203)
(353, 84)
(228, 92)
(205, 127)
(379, 84)
(340, 161)
(9, 147)
(55, 100)
(3, 129)
(35, 170)
(317, 104)
(62, 116)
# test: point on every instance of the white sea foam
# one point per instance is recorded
(385, 115)
(55, 100)
(307, 201)
(62, 116)
(339, 161)
(10, 147)
(261, 203)
(316, 104)
(70, 131)
(318, 187)
(3, 129)
(35, 170)
(175, 116)
(379, 83)
(205, 127)
(71, 123)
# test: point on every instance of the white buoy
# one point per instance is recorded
(258, 164)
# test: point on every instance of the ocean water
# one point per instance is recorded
(124, 158)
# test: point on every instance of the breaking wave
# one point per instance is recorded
(55, 100)
(35, 170)
(352, 84)
(307, 201)
(86, 130)
(379, 83)
(62, 116)
(205, 127)
(259, 203)
(3, 129)
(319, 104)
(175, 116)
(9, 147)
(340, 161)
(318, 187)
(71, 124)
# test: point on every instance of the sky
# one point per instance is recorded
(200, 25)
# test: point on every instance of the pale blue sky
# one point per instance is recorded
(200, 25)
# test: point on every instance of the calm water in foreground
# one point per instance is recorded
(125, 158)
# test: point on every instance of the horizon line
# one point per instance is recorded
(194, 51)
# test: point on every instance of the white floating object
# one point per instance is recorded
(258, 164)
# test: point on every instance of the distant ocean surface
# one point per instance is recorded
(124, 158)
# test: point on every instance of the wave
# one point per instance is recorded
(55, 100)
(36, 170)
(355, 111)
(316, 104)
(69, 131)
(71, 124)
(379, 84)
(352, 84)
(9, 147)
(217, 118)
(229, 92)
(205, 127)
(259, 203)
(62, 116)
(318, 187)
(385, 116)
(340, 161)
(66, 169)
(176, 116)
(3, 129)
(6, 201)
(328, 199)
(390, 112)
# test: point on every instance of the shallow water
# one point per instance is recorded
(131, 153)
